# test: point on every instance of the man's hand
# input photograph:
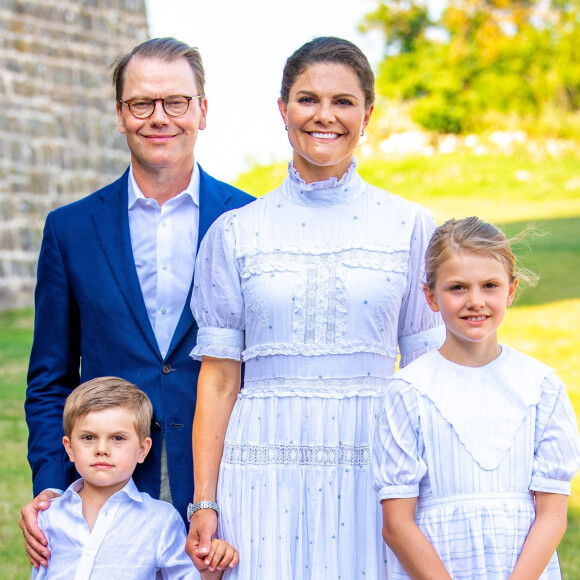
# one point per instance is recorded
(202, 529)
(35, 542)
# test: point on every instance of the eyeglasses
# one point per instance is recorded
(174, 105)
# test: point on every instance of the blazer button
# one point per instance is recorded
(166, 369)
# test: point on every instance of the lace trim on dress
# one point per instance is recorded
(385, 316)
(320, 305)
(314, 349)
(257, 316)
(316, 455)
(394, 259)
(334, 388)
(330, 183)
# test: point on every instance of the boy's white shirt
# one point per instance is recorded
(132, 536)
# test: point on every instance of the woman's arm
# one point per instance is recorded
(408, 542)
(217, 389)
(544, 535)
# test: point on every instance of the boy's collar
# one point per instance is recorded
(129, 490)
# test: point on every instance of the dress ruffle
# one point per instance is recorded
(331, 183)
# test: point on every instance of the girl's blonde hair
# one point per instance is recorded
(475, 236)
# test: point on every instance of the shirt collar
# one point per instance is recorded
(192, 190)
(129, 491)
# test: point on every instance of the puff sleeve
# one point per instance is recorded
(556, 444)
(217, 302)
(420, 329)
(397, 463)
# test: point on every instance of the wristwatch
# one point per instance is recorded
(202, 505)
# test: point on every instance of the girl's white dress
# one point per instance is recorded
(472, 444)
(314, 287)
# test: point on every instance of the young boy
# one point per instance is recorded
(102, 526)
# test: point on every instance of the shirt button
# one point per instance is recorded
(166, 369)
(163, 266)
(163, 310)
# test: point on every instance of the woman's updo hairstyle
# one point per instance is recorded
(474, 236)
(329, 49)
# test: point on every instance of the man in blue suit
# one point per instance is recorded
(114, 281)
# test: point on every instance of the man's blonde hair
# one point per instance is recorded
(105, 393)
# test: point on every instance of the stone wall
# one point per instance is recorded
(58, 126)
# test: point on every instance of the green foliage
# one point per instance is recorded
(405, 25)
(437, 113)
(262, 178)
(506, 56)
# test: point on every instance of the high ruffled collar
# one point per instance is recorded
(329, 192)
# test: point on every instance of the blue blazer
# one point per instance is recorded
(91, 321)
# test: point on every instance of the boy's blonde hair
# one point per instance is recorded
(104, 393)
(474, 236)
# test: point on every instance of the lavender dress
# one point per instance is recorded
(315, 287)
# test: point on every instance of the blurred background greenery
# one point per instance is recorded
(483, 64)
(478, 113)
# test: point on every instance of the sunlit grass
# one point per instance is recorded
(15, 482)
(495, 188)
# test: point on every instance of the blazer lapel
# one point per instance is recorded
(111, 222)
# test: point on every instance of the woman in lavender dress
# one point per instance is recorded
(316, 287)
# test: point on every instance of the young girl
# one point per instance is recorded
(477, 443)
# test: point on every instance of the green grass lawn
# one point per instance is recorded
(495, 188)
(15, 482)
(544, 321)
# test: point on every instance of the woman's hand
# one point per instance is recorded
(202, 529)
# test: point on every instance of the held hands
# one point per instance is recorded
(221, 556)
(208, 555)
(35, 542)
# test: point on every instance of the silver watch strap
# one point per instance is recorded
(202, 505)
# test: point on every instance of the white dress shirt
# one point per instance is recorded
(164, 242)
(135, 537)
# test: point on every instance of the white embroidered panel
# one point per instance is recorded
(257, 317)
(327, 303)
(319, 455)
